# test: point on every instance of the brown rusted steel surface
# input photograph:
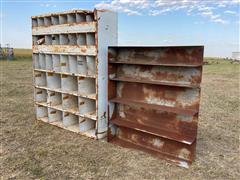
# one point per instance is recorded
(154, 96)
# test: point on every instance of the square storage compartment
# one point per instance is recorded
(91, 39)
(41, 112)
(72, 64)
(49, 62)
(91, 65)
(86, 85)
(40, 79)
(72, 39)
(70, 120)
(42, 61)
(82, 65)
(87, 126)
(55, 39)
(87, 106)
(40, 21)
(64, 63)
(81, 39)
(70, 103)
(63, 19)
(34, 39)
(90, 17)
(54, 115)
(47, 21)
(56, 63)
(71, 18)
(64, 39)
(48, 39)
(36, 61)
(34, 23)
(53, 81)
(54, 98)
(40, 95)
(81, 17)
(69, 83)
(55, 20)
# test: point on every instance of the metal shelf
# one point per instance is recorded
(154, 82)
(155, 64)
(175, 110)
(157, 131)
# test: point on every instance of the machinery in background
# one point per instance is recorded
(6, 53)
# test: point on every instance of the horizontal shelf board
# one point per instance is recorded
(90, 115)
(154, 82)
(66, 49)
(155, 131)
(82, 27)
(65, 73)
(154, 64)
(90, 133)
(175, 110)
(159, 154)
(73, 128)
(74, 93)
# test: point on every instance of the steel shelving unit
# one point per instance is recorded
(70, 69)
(154, 96)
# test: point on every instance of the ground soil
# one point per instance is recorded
(34, 150)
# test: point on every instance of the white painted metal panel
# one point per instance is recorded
(107, 36)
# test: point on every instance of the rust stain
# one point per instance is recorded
(39, 92)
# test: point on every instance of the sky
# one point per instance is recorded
(212, 23)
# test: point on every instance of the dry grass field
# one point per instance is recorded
(35, 150)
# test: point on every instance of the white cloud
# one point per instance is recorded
(206, 9)
(47, 5)
(230, 12)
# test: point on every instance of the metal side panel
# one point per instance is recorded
(107, 36)
(154, 96)
(65, 28)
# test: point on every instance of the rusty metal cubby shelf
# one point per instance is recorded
(154, 95)
(70, 69)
